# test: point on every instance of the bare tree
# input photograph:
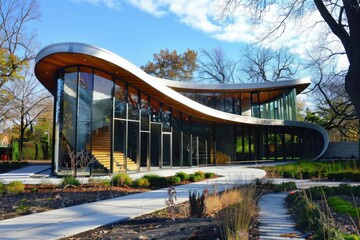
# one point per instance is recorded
(342, 17)
(264, 65)
(334, 110)
(16, 43)
(29, 101)
(215, 67)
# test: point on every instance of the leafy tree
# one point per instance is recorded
(171, 65)
(215, 67)
(16, 45)
(342, 18)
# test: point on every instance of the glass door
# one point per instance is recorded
(166, 160)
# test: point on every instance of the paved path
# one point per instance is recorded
(30, 175)
(72, 220)
(274, 220)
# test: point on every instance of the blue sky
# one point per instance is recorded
(124, 29)
(136, 29)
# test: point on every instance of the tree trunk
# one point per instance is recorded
(22, 132)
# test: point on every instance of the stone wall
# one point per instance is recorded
(342, 150)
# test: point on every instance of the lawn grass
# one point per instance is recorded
(343, 206)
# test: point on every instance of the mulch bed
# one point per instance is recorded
(37, 199)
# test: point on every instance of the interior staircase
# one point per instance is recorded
(101, 152)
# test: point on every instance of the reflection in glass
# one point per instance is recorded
(120, 100)
(68, 120)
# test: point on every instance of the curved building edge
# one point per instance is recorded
(162, 88)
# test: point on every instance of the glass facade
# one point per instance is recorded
(272, 104)
(105, 125)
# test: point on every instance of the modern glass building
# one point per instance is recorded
(110, 116)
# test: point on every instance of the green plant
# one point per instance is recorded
(182, 175)
(309, 169)
(2, 188)
(156, 180)
(15, 150)
(15, 187)
(100, 182)
(22, 209)
(342, 206)
(284, 187)
(69, 181)
(200, 175)
(310, 217)
(174, 180)
(351, 237)
(194, 178)
(141, 182)
(121, 179)
(210, 175)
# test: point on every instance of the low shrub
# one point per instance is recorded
(284, 187)
(182, 175)
(141, 182)
(174, 180)
(22, 209)
(287, 174)
(200, 174)
(336, 176)
(156, 180)
(2, 188)
(15, 187)
(100, 182)
(121, 179)
(306, 174)
(194, 178)
(210, 175)
(69, 181)
(352, 176)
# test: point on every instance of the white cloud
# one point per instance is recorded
(300, 35)
(113, 4)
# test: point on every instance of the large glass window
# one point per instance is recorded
(120, 100)
(166, 118)
(133, 145)
(255, 111)
(145, 113)
(155, 110)
(85, 111)
(67, 129)
(133, 103)
(101, 119)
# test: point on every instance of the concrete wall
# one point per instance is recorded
(342, 150)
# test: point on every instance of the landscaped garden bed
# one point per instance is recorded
(333, 171)
(17, 199)
(327, 212)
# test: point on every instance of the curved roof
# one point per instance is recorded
(54, 57)
(299, 84)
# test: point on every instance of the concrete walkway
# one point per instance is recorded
(29, 175)
(274, 220)
(72, 220)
